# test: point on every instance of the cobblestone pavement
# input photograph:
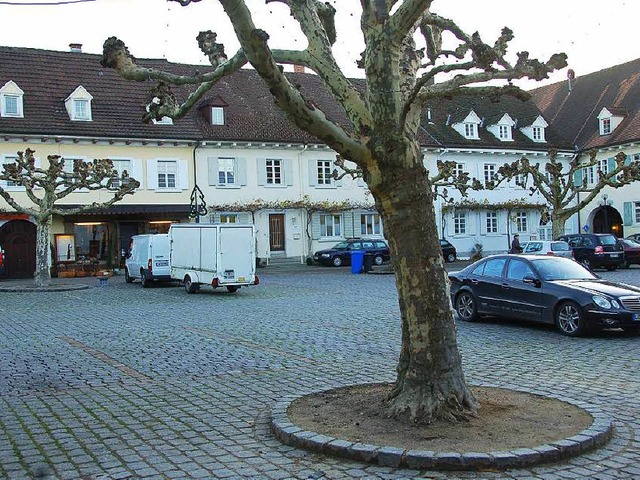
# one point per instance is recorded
(121, 382)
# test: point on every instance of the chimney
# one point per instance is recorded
(75, 47)
(298, 68)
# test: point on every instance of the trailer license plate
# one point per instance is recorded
(229, 274)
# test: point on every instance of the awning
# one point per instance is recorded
(132, 209)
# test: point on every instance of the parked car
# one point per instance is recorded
(448, 251)
(635, 237)
(558, 248)
(546, 289)
(340, 253)
(596, 250)
(631, 252)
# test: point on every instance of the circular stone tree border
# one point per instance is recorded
(60, 287)
(597, 434)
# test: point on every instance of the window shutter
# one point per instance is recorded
(628, 213)
(315, 226)
(212, 163)
(288, 171)
(313, 173)
(136, 171)
(183, 175)
(241, 171)
(611, 164)
(577, 177)
(152, 174)
(262, 170)
(627, 160)
(472, 221)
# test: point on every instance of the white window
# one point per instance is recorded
(504, 132)
(11, 100)
(637, 211)
(228, 218)
(78, 105)
(217, 115)
(163, 121)
(370, 224)
(459, 223)
(274, 172)
(167, 170)
(606, 126)
(459, 169)
(226, 171)
(470, 130)
(120, 166)
(8, 159)
(537, 134)
(324, 168)
(603, 166)
(492, 222)
(521, 221)
(489, 172)
(519, 180)
(330, 225)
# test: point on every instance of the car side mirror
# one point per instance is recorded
(532, 280)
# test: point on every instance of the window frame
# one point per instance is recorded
(324, 173)
(605, 126)
(227, 166)
(328, 223)
(274, 174)
(470, 130)
(522, 221)
(217, 116)
(166, 174)
(491, 222)
(370, 224)
(489, 167)
(459, 223)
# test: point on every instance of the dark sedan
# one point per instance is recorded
(340, 253)
(545, 289)
(631, 252)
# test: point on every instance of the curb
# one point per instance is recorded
(61, 287)
(597, 434)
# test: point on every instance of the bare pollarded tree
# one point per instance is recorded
(45, 186)
(405, 50)
(561, 184)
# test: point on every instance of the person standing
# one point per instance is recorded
(515, 244)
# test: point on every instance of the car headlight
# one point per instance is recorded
(615, 304)
(325, 255)
(602, 302)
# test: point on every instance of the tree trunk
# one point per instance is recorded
(430, 384)
(42, 275)
(557, 225)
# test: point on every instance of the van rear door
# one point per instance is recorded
(236, 261)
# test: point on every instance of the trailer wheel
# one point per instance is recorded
(233, 288)
(189, 286)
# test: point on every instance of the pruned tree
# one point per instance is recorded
(561, 184)
(382, 141)
(45, 186)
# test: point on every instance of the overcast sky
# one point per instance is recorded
(595, 35)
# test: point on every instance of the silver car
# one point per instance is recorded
(557, 248)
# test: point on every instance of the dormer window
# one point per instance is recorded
(11, 100)
(609, 119)
(503, 129)
(468, 128)
(217, 115)
(79, 105)
(536, 131)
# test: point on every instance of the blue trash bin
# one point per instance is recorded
(357, 259)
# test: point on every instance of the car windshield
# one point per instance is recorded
(553, 269)
(630, 243)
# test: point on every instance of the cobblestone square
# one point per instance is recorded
(121, 382)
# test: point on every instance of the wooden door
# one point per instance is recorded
(276, 232)
(18, 239)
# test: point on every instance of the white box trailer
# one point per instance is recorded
(220, 255)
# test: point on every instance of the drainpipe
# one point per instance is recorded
(306, 244)
(442, 221)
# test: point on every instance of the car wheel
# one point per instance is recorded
(233, 288)
(189, 286)
(336, 261)
(127, 277)
(569, 319)
(466, 307)
(146, 283)
(378, 260)
(451, 257)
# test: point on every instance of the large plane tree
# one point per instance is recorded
(45, 186)
(412, 56)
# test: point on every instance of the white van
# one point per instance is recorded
(148, 259)
(218, 255)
